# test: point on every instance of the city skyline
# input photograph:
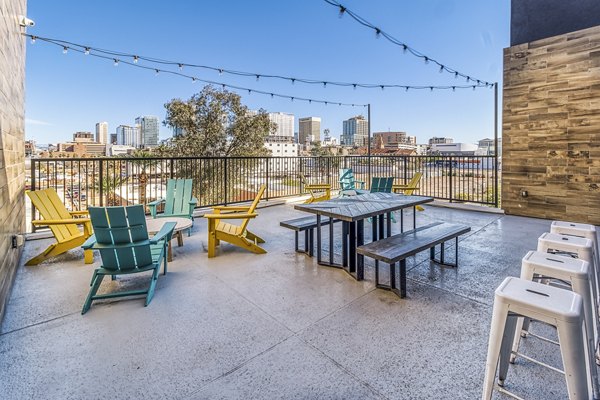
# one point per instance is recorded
(473, 47)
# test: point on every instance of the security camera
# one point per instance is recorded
(24, 21)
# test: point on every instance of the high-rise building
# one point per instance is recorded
(128, 136)
(355, 131)
(148, 127)
(102, 132)
(285, 124)
(309, 130)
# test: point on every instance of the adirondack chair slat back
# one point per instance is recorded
(347, 179)
(382, 185)
(305, 184)
(114, 226)
(179, 194)
(51, 207)
(253, 206)
(415, 180)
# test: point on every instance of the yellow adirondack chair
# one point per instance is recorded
(62, 223)
(238, 235)
(410, 187)
(318, 192)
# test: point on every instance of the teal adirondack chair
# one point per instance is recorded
(381, 185)
(121, 236)
(348, 185)
(179, 201)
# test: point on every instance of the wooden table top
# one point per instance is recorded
(355, 208)
(154, 224)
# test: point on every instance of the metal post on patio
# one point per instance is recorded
(496, 169)
(369, 143)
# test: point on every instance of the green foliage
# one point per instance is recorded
(216, 124)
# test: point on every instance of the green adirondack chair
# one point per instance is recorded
(381, 185)
(179, 201)
(121, 236)
(349, 185)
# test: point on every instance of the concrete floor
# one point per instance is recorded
(273, 326)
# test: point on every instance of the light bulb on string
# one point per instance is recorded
(116, 62)
(382, 87)
(257, 78)
(426, 60)
(342, 11)
(468, 79)
(406, 88)
(293, 80)
(193, 79)
(324, 84)
(291, 99)
(135, 59)
(156, 71)
(454, 88)
(455, 74)
(404, 48)
(33, 39)
(271, 95)
(86, 51)
(377, 33)
(181, 67)
(220, 72)
(65, 49)
(354, 86)
(441, 69)
(431, 88)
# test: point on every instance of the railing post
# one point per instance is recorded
(301, 169)
(405, 168)
(267, 180)
(101, 182)
(451, 181)
(225, 187)
(33, 189)
(171, 168)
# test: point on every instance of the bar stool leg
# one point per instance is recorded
(505, 348)
(571, 341)
(499, 315)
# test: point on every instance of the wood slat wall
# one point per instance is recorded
(551, 128)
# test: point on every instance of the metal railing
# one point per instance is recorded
(83, 182)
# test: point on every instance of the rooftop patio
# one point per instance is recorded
(272, 326)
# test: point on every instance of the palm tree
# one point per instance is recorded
(108, 184)
(142, 160)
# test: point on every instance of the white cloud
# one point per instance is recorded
(37, 122)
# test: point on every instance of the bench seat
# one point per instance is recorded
(306, 225)
(398, 247)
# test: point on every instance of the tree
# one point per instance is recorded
(216, 124)
(142, 160)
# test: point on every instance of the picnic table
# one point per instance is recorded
(353, 211)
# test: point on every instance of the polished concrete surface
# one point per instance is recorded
(246, 326)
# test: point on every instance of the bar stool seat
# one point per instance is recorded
(561, 308)
(587, 231)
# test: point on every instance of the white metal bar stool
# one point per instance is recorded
(561, 308)
(587, 231)
(578, 274)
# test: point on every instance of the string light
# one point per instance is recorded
(134, 63)
(33, 39)
(379, 32)
(116, 62)
(65, 49)
(87, 51)
(221, 71)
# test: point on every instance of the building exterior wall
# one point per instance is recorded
(355, 131)
(148, 131)
(12, 141)
(551, 128)
(102, 132)
(285, 124)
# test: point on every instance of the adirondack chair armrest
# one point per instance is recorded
(152, 205)
(165, 232)
(322, 186)
(73, 221)
(218, 209)
(89, 243)
(84, 212)
(399, 187)
(230, 216)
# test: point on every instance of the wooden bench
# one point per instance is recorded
(306, 225)
(398, 247)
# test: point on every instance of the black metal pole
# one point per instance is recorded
(369, 143)
(496, 169)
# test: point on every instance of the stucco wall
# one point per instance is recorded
(12, 136)
(551, 127)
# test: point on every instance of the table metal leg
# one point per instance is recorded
(319, 238)
(360, 240)
(374, 230)
(381, 226)
(331, 241)
(401, 220)
(389, 224)
(352, 247)
(344, 243)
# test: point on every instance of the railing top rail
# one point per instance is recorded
(92, 159)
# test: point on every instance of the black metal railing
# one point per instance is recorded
(83, 182)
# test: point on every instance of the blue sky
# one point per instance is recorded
(69, 93)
